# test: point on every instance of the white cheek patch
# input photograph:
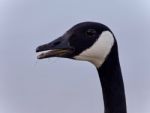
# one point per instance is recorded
(98, 52)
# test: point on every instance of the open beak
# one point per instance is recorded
(57, 48)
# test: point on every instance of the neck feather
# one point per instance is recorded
(112, 83)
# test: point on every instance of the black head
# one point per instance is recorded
(88, 41)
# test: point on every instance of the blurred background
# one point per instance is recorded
(28, 85)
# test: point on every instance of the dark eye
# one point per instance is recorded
(91, 32)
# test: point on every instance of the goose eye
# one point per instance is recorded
(91, 32)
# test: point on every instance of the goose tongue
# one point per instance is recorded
(55, 53)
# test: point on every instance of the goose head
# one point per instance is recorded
(87, 41)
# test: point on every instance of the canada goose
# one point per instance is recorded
(93, 42)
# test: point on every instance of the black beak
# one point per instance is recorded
(57, 48)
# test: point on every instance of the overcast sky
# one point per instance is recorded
(55, 85)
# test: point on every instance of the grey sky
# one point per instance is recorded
(62, 85)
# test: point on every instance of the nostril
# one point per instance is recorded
(56, 43)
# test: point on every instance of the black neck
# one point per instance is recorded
(112, 83)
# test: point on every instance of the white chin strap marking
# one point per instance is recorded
(98, 52)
